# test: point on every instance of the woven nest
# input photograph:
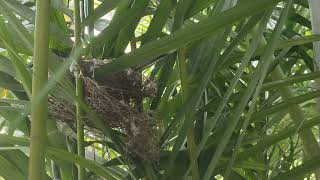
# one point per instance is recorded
(117, 100)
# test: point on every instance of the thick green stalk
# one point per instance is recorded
(80, 124)
(185, 94)
(39, 107)
(310, 144)
(314, 6)
(79, 90)
(182, 9)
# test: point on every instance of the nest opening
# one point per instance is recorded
(117, 100)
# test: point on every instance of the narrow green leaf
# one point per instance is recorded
(104, 8)
(55, 153)
(285, 104)
(300, 171)
(8, 170)
(184, 36)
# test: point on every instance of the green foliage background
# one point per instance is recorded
(237, 87)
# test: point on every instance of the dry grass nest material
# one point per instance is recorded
(117, 100)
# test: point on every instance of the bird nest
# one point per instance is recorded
(117, 100)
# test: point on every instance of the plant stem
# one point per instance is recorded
(79, 90)
(185, 94)
(180, 15)
(55, 170)
(310, 144)
(314, 6)
(39, 107)
(80, 124)
(91, 25)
